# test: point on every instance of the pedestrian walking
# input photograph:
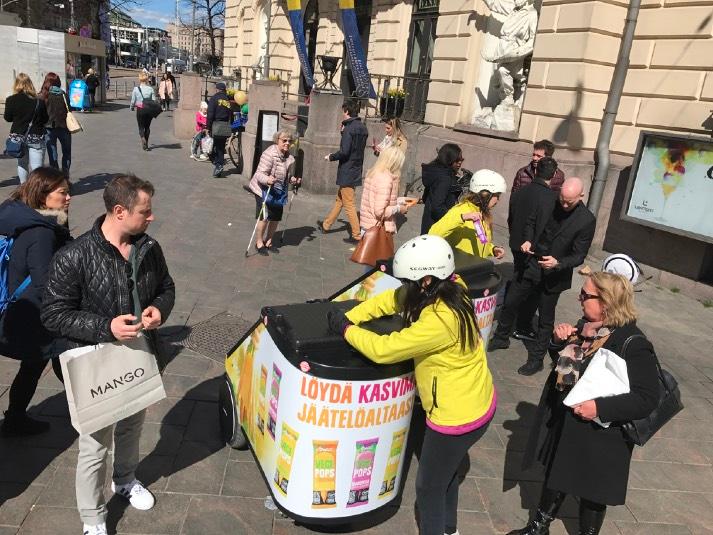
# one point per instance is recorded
(92, 81)
(540, 149)
(57, 104)
(452, 375)
(165, 92)
(440, 184)
(583, 458)
(28, 116)
(173, 83)
(552, 256)
(108, 285)
(394, 136)
(143, 116)
(270, 185)
(351, 160)
(35, 216)
(468, 226)
(220, 115)
(536, 200)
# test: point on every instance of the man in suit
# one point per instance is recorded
(534, 197)
(552, 255)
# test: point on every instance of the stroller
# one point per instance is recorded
(201, 147)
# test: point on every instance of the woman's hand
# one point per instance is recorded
(271, 180)
(563, 331)
(403, 208)
(338, 322)
(586, 410)
(295, 180)
(472, 216)
(498, 252)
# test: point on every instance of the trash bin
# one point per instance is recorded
(327, 426)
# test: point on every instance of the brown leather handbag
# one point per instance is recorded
(376, 244)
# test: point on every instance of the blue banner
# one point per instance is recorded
(355, 50)
(294, 10)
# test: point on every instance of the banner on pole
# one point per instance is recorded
(294, 10)
(355, 51)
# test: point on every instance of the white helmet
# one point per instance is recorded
(485, 179)
(622, 264)
(424, 255)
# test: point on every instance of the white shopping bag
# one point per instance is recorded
(605, 376)
(106, 383)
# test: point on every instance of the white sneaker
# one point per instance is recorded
(139, 496)
(99, 529)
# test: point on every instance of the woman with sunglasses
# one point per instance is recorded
(440, 184)
(454, 382)
(581, 457)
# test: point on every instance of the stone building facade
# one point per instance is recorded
(181, 37)
(669, 87)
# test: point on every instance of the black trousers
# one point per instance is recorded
(518, 294)
(143, 119)
(25, 383)
(442, 467)
(219, 151)
(527, 310)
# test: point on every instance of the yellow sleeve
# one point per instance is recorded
(486, 249)
(430, 334)
(448, 224)
(384, 304)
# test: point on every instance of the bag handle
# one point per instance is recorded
(656, 359)
(29, 126)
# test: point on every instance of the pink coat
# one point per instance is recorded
(201, 121)
(378, 198)
(272, 163)
(165, 89)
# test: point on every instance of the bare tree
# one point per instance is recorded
(210, 17)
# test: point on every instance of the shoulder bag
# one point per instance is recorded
(73, 125)
(16, 144)
(669, 404)
(151, 106)
(375, 244)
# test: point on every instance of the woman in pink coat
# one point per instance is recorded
(165, 92)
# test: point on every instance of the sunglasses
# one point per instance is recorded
(583, 296)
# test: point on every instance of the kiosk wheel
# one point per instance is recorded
(235, 151)
(230, 429)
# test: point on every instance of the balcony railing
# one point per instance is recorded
(413, 106)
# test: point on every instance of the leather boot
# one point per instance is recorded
(546, 512)
(590, 520)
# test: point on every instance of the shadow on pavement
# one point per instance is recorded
(14, 181)
(295, 236)
(112, 106)
(167, 146)
(91, 183)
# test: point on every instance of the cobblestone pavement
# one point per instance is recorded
(204, 487)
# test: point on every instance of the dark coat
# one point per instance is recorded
(87, 287)
(20, 109)
(582, 458)
(440, 193)
(351, 152)
(535, 200)
(525, 175)
(220, 108)
(57, 104)
(92, 82)
(569, 246)
(38, 235)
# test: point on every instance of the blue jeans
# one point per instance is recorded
(34, 157)
(65, 140)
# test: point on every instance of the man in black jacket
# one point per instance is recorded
(535, 198)
(553, 254)
(107, 286)
(351, 160)
(220, 115)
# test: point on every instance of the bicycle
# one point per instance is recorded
(235, 148)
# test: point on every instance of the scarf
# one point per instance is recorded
(579, 347)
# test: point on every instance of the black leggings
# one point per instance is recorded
(143, 119)
(25, 383)
(442, 467)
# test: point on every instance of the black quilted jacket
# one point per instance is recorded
(87, 287)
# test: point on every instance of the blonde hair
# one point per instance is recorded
(390, 159)
(395, 123)
(617, 296)
(23, 84)
(143, 77)
(90, 71)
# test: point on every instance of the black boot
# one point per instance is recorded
(546, 512)
(591, 517)
(531, 367)
(21, 425)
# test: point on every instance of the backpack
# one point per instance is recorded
(5, 297)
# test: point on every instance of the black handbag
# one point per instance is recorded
(16, 144)
(152, 107)
(669, 404)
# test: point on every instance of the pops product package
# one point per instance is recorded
(325, 474)
(361, 475)
(288, 442)
(392, 464)
(274, 399)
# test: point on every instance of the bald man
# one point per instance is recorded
(552, 255)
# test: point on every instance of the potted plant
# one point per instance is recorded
(392, 104)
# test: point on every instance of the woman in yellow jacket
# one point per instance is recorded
(452, 375)
(468, 226)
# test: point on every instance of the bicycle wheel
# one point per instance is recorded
(235, 151)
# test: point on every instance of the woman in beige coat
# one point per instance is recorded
(165, 92)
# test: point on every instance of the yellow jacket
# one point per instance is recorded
(456, 388)
(461, 234)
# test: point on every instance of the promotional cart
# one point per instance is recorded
(328, 427)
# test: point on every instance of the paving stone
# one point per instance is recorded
(629, 528)
(218, 515)
(162, 439)
(166, 517)
(173, 411)
(16, 500)
(44, 520)
(199, 468)
(21, 464)
(8, 530)
(243, 479)
(203, 425)
(60, 491)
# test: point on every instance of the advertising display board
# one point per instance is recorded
(671, 185)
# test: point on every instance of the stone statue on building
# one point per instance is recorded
(506, 55)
